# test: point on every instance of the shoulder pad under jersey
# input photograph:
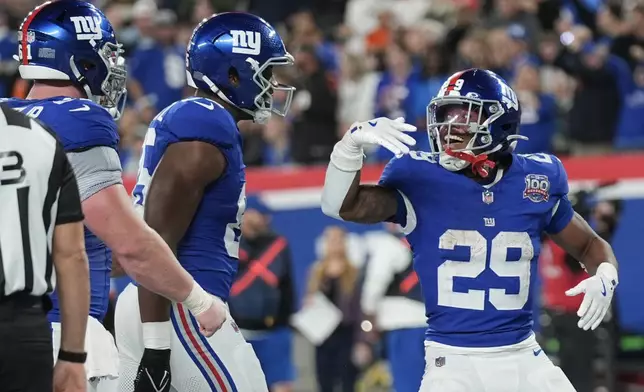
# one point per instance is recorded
(547, 165)
(200, 119)
(80, 124)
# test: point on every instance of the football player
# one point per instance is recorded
(191, 187)
(68, 49)
(473, 212)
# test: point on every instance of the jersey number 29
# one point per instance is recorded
(499, 264)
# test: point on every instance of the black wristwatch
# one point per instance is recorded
(72, 357)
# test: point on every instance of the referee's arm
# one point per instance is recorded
(70, 260)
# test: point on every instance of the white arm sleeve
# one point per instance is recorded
(95, 169)
(336, 187)
(388, 257)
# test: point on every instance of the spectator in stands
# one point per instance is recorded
(8, 66)
(393, 96)
(336, 278)
(262, 298)
(630, 131)
(538, 111)
(629, 45)
(357, 90)
(392, 300)
(522, 12)
(157, 68)
(313, 111)
(277, 145)
(433, 72)
(473, 51)
(594, 114)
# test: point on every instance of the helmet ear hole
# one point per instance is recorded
(86, 65)
(233, 76)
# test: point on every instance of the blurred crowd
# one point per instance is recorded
(577, 66)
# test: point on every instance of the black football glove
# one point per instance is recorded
(154, 372)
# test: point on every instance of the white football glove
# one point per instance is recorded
(598, 291)
(390, 134)
(385, 132)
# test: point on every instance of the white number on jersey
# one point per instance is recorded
(539, 157)
(233, 230)
(499, 264)
(144, 176)
(33, 112)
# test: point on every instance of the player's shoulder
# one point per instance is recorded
(415, 165)
(199, 118)
(541, 165)
(79, 123)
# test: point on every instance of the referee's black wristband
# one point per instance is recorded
(72, 357)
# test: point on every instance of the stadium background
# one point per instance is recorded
(577, 66)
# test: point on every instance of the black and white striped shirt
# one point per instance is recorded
(38, 190)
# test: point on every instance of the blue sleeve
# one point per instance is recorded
(562, 212)
(393, 177)
(82, 130)
(208, 122)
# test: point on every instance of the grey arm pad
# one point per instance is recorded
(95, 169)
(336, 186)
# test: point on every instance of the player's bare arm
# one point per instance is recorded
(343, 196)
(368, 203)
(72, 275)
(597, 256)
(117, 270)
(141, 252)
(173, 198)
(581, 242)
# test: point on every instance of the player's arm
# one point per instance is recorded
(174, 195)
(70, 261)
(343, 197)
(140, 250)
(361, 203)
(581, 242)
(572, 233)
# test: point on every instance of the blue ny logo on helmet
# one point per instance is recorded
(232, 55)
(73, 40)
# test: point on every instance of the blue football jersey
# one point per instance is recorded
(209, 250)
(476, 247)
(80, 124)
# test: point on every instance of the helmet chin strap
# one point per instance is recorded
(260, 116)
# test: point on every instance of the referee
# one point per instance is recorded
(41, 232)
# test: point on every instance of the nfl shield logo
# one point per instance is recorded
(488, 197)
(439, 362)
(31, 37)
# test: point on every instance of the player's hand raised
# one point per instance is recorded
(598, 291)
(390, 134)
(212, 318)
